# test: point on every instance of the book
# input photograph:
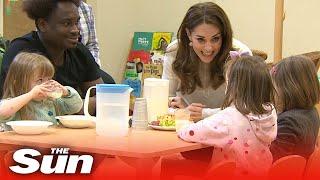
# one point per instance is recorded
(131, 71)
(145, 60)
(143, 55)
(160, 40)
(142, 41)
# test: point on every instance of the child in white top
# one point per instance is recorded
(244, 129)
(27, 91)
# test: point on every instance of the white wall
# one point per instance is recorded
(252, 22)
(1, 17)
(301, 27)
(117, 20)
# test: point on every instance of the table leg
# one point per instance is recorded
(143, 166)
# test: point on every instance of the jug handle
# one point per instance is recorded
(86, 102)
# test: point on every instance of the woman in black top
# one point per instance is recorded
(57, 38)
(297, 89)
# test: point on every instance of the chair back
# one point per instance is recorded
(288, 167)
(315, 57)
(312, 168)
(260, 53)
(223, 170)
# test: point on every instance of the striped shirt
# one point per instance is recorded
(88, 30)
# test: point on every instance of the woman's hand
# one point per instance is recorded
(196, 111)
(177, 102)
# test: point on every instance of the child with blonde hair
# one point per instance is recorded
(27, 90)
(297, 93)
(247, 124)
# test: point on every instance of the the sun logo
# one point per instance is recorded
(65, 164)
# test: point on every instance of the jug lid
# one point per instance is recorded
(156, 82)
(112, 88)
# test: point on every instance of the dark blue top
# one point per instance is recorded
(297, 133)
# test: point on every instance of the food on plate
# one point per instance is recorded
(166, 120)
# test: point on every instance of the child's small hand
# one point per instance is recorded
(39, 92)
(196, 111)
(55, 84)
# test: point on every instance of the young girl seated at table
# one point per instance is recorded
(246, 126)
(31, 94)
(297, 93)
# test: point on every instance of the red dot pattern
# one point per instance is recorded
(230, 142)
(191, 133)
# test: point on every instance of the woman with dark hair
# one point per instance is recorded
(57, 38)
(194, 63)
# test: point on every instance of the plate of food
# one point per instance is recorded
(164, 123)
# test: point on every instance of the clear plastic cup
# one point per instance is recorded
(182, 117)
(140, 114)
(55, 93)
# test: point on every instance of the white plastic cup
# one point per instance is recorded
(182, 117)
(140, 114)
(182, 123)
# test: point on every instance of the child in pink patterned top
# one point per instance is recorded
(244, 129)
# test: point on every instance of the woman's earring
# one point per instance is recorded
(190, 43)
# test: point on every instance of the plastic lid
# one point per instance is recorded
(156, 82)
(112, 88)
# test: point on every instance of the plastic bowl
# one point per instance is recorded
(77, 121)
(30, 127)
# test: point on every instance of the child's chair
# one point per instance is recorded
(312, 167)
(314, 56)
(223, 170)
(260, 53)
(288, 167)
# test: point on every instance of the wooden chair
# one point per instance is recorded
(223, 170)
(260, 53)
(314, 56)
(289, 167)
(312, 168)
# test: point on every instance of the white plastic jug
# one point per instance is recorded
(112, 107)
(156, 91)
